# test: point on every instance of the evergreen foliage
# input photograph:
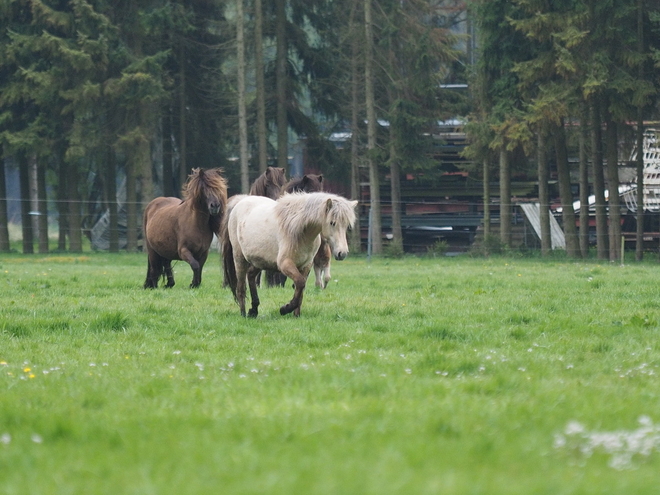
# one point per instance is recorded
(98, 92)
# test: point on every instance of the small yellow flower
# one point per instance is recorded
(27, 370)
(31, 375)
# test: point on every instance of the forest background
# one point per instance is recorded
(100, 97)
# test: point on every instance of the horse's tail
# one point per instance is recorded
(228, 266)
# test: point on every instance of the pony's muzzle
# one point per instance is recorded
(341, 255)
(214, 209)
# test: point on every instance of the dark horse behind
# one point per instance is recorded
(176, 229)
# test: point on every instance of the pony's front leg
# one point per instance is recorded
(326, 275)
(252, 275)
(322, 265)
(196, 266)
(318, 276)
(288, 268)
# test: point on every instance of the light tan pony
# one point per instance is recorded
(263, 234)
(176, 229)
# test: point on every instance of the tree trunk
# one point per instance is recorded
(395, 191)
(281, 85)
(261, 86)
(168, 177)
(183, 125)
(131, 206)
(505, 197)
(486, 192)
(75, 202)
(26, 219)
(111, 194)
(544, 196)
(639, 165)
(62, 206)
(145, 164)
(639, 235)
(42, 206)
(374, 180)
(242, 110)
(598, 180)
(5, 246)
(34, 197)
(565, 193)
(584, 182)
(356, 234)
(613, 188)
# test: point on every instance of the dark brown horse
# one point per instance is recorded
(269, 183)
(306, 183)
(176, 229)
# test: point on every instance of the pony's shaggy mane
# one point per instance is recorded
(295, 211)
(202, 184)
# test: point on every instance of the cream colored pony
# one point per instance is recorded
(263, 234)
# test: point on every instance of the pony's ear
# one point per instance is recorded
(320, 177)
(328, 205)
(354, 203)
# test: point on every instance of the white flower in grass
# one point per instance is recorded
(37, 438)
(645, 421)
(623, 446)
(574, 428)
(5, 439)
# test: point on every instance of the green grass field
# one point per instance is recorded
(411, 376)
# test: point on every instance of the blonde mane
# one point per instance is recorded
(296, 211)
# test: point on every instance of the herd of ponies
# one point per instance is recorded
(283, 228)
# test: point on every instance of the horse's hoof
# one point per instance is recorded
(285, 310)
(253, 313)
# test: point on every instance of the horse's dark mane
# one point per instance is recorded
(307, 183)
(269, 183)
(202, 184)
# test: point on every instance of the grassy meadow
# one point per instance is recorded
(408, 376)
